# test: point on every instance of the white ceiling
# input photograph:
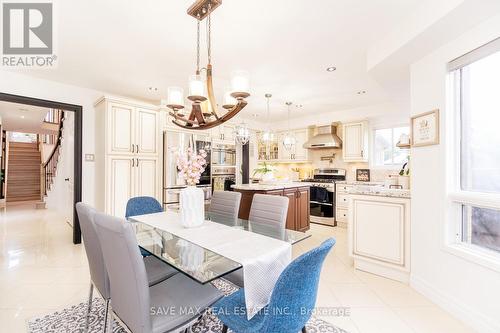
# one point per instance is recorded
(286, 45)
(22, 118)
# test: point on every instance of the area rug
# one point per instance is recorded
(72, 319)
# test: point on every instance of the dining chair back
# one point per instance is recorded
(98, 273)
(226, 204)
(269, 209)
(141, 206)
(292, 300)
(126, 270)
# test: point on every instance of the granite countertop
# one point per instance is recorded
(268, 187)
(346, 182)
(381, 192)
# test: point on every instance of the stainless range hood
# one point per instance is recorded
(326, 138)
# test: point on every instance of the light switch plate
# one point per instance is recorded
(89, 157)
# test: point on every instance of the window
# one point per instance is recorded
(385, 152)
(476, 187)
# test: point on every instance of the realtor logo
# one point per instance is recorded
(27, 32)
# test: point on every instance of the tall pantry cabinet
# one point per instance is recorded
(128, 153)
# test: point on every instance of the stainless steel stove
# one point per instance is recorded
(322, 200)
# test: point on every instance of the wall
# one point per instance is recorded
(468, 290)
(18, 84)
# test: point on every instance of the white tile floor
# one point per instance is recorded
(42, 271)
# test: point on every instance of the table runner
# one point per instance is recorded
(263, 258)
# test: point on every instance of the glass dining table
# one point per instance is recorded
(197, 262)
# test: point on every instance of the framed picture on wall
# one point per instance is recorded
(425, 129)
(362, 175)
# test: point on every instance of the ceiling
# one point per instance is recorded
(22, 118)
(126, 47)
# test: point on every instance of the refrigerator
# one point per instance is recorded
(173, 143)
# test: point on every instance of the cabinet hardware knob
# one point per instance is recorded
(133, 162)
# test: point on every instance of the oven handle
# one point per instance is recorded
(321, 203)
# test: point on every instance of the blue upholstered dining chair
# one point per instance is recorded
(141, 206)
(292, 301)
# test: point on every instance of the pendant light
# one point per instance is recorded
(267, 136)
(242, 133)
(289, 139)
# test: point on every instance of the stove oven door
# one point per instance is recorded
(322, 202)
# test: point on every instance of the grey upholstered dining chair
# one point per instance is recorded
(269, 209)
(225, 203)
(265, 209)
(157, 271)
(160, 308)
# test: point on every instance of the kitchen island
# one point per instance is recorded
(298, 206)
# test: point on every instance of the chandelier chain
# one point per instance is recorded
(198, 48)
(209, 33)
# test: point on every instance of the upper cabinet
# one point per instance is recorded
(355, 142)
(131, 130)
(276, 151)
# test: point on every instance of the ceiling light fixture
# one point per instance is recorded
(331, 69)
(201, 92)
(267, 136)
(289, 139)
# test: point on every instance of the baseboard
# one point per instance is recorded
(461, 311)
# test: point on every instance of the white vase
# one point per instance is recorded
(404, 181)
(192, 207)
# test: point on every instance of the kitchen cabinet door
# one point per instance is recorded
(303, 209)
(147, 132)
(301, 137)
(146, 177)
(120, 184)
(355, 142)
(120, 129)
(291, 194)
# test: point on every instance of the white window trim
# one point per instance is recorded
(456, 197)
(372, 148)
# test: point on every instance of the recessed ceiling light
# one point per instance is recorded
(331, 69)
(361, 92)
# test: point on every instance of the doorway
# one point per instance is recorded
(76, 184)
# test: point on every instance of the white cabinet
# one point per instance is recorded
(223, 133)
(276, 151)
(146, 131)
(355, 142)
(128, 153)
(301, 136)
(131, 130)
(379, 235)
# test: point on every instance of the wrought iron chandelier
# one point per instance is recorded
(204, 113)
(289, 140)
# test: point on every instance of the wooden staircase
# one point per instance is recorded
(23, 178)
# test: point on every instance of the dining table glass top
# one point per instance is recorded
(195, 261)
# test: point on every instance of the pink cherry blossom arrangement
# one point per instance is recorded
(191, 165)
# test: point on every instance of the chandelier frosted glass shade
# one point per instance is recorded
(242, 134)
(289, 141)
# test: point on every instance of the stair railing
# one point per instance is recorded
(50, 166)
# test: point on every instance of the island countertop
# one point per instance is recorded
(268, 187)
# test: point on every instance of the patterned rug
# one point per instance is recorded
(72, 319)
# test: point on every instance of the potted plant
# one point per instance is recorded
(404, 175)
(266, 172)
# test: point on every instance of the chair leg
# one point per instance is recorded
(89, 308)
(224, 328)
(304, 330)
(108, 325)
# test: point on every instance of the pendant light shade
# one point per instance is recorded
(267, 136)
(242, 134)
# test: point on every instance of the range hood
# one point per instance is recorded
(326, 138)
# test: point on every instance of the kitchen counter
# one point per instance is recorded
(381, 192)
(268, 187)
(346, 182)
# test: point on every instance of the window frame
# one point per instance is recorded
(393, 166)
(456, 197)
